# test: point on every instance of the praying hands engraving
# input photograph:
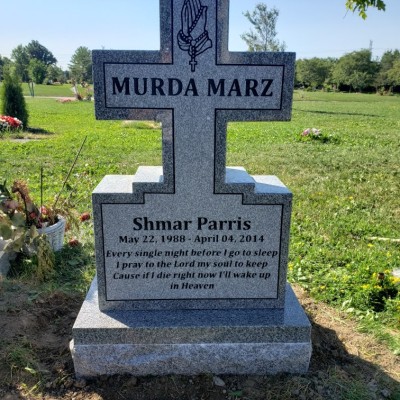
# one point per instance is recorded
(193, 36)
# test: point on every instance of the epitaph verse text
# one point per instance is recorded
(198, 257)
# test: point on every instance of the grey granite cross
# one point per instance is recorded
(194, 86)
(192, 256)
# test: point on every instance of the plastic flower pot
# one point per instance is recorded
(55, 234)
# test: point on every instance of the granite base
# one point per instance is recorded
(190, 342)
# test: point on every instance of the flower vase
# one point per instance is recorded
(55, 234)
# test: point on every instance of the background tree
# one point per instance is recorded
(12, 99)
(81, 65)
(55, 74)
(355, 70)
(36, 50)
(314, 72)
(263, 38)
(37, 70)
(394, 74)
(22, 55)
(5, 64)
(362, 5)
(386, 64)
(21, 62)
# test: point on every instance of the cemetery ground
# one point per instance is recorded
(55, 90)
(345, 176)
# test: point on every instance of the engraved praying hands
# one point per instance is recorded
(194, 18)
(193, 37)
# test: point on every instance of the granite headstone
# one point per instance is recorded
(192, 256)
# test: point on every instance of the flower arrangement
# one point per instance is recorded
(316, 134)
(40, 217)
(311, 132)
(20, 217)
(32, 231)
(9, 123)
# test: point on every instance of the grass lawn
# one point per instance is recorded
(64, 90)
(346, 190)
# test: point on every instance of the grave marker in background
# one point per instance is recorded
(192, 256)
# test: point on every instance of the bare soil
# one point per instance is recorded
(35, 362)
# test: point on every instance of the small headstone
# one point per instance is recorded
(192, 256)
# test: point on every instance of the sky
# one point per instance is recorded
(311, 28)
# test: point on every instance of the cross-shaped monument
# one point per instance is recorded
(194, 86)
(192, 256)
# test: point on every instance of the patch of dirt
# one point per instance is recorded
(35, 361)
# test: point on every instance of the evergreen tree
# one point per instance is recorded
(12, 99)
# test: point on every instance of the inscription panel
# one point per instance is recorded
(152, 86)
(164, 256)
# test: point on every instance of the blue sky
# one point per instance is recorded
(311, 28)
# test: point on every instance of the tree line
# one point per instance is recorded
(355, 71)
(35, 63)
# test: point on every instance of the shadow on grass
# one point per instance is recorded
(38, 131)
(337, 113)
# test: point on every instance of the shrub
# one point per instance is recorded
(13, 102)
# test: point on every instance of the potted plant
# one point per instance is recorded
(21, 219)
(29, 230)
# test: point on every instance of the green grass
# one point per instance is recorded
(64, 90)
(345, 191)
(111, 148)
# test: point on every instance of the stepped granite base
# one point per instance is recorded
(190, 342)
